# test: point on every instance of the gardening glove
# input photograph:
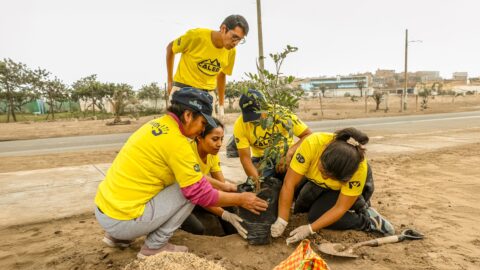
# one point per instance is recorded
(235, 221)
(221, 112)
(300, 233)
(278, 227)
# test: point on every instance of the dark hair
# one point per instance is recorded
(340, 159)
(209, 128)
(178, 109)
(233, 21)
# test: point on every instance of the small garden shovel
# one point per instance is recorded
(336, 249)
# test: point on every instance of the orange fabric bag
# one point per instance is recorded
(303, 258)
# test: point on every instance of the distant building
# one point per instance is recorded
(339, 86)
(428, 76)
(460, 76)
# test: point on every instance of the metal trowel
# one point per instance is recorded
(336, 249)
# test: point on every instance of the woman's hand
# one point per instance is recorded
(300, 233)
(229, 187)
(252, 203)
(235, 221)
(278, 227)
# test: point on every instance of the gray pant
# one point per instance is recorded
(163, 214)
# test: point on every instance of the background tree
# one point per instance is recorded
(425, 93)
(233, 90)
(119, 96)
(151, 91)
(54, 91)
(323, 88)
(88, 89)
(15, 86)
(378, 97)
(360, 85)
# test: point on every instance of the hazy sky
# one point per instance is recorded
(124, 41)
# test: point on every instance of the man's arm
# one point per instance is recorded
(282, 166)
(247, 163)
(221, 81)
(170, 62)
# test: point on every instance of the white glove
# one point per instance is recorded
(221, 112)
(235, 221)
(278, 227)
(300, 233)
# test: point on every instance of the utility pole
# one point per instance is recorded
(260, 37)
(403, 105)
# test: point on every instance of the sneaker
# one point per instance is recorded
(146, 251)
(112, 242)
(379, 223)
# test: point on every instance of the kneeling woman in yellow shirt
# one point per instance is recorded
(333, 183)
(206, 147)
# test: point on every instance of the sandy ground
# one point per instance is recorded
(437, 198)
(433, 192)
(309, 110)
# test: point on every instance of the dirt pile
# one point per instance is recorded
(173, 261)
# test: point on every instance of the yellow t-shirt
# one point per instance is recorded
(213, 161)
(306, 162)
(201, 61)
(254, 136)
(156, 156)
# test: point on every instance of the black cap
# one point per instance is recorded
(250, 105)
(198, 100)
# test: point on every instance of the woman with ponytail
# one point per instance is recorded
(330, 179)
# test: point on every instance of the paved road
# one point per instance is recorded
(407, 125)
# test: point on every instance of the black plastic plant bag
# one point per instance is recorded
(258, 226)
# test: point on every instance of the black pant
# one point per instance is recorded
(200, 222)
(316, 201)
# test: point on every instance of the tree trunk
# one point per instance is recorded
(12, 111)
(321, 107)
(366, 107)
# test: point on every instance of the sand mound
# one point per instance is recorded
(173, 261)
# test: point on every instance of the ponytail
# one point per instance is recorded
(343, 155)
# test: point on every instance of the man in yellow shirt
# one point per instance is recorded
(155, 180)
(207, 57)
(251, 139)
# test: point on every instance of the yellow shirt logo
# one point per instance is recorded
(209, 67)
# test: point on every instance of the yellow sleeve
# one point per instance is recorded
(298, 125)
(354, 187)
(214, 163)
(184, 165)
(231, 62)
(240, 135)
(303, 157)
(183, 43)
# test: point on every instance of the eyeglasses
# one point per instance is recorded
(237, 39)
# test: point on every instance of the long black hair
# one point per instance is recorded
(341, 157)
